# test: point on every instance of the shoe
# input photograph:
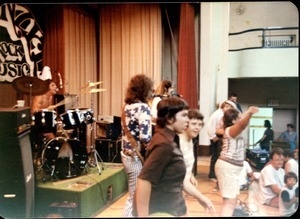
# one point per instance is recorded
(213, 180)
(216, 189)
(91, 162)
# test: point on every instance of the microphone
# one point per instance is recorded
(155, 95)
(158, 95)
(173, 94)
(60, 81)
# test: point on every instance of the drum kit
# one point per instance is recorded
(65, 155)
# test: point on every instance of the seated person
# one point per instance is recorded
(271, 179)
(290, 164)
(246, 176)
(289, 195)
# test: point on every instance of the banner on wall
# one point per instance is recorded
(21, 43)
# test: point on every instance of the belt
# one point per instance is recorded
(129, 152)
(232, 161)
(128, 157)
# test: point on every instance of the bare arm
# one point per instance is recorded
(237, 128)
(275, 188)
(36, 104)
(263, 137)
(143, 192)
(192, 190)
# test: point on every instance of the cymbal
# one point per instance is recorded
(92, 84)
(94, 90)
(27, 84)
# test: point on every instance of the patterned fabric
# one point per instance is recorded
(233, 148)
(286, 195)
(138, 122)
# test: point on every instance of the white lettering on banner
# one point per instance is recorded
(21, 43)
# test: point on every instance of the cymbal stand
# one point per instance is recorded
(96, 154)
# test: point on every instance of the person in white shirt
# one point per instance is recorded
(289, 195)
(187, 148)
(246, 176)
(290, 164)
(271, 179)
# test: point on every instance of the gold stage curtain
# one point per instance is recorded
(70, 49)
(187, 78)
(130, 43)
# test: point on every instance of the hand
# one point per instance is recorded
(253, 109)
(215, 139)
(207, 204)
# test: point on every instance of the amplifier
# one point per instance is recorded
(109, 150)
(108, 130)
(14, 121)
(109, 119)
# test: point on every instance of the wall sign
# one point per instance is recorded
(21, 43)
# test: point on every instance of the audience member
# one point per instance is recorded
(160, 183)
(187, 148)
(164, 90)
(215, 123)
(233, 97)
(137, 117)
(289, 136)
(289, 195)
(296, 155)
(267, 138)
(290, 164)
(271, 178)
(246, 176)
(230, 162)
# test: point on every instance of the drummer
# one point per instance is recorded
(41, 102)
(45, 101)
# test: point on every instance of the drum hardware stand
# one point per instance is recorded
(96, 154)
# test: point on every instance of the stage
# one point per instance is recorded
(82, 196)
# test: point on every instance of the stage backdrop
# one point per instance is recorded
(21, 43)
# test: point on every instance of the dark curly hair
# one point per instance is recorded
(139, 89)
(167, 109)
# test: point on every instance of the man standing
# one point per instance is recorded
(289, 136)
(233, 97)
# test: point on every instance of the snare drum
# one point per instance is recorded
(64, 158)
(44, 121)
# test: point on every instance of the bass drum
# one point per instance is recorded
(64, 158)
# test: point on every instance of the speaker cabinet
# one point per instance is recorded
(109, 150)
(108, 130)
(16, 173)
